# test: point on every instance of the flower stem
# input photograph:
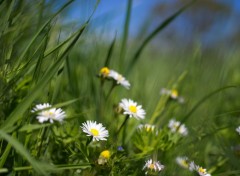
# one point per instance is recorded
(124, 122)
(111, 89)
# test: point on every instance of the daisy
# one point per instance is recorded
(238, 130)
(96, 131)
(119, 79)
(146, 127)
(176, 126)
(173, 94)
(45, 113)
(201, 171)
(182, 161)
(151, 165)
(132, 109)
(104, 157)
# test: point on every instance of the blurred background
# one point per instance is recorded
(212, 23)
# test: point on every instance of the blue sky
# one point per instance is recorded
(109, 17)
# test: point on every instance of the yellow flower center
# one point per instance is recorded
(176, 126)
(133, 109)
(174, 93)
(185, 163)
(105, 154)
(105, 71)
(201, 170)
(151, 166)
(148, 128)
(48, 113)
(94, 132)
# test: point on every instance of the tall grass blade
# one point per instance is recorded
(110, 51)
(37, 90)
(125, 33)
(37, 166)
(40, 31)
(204, 99)
(153, 34)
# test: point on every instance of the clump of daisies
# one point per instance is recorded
(183, 161)
(238, 130)
(107, 73)
(104, 157)
(132, 109)
(177, 127)
(45, 112)
(200, 170)
(95, 130)
(152, 167)
(173, 94)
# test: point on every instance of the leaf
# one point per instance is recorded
(31, 127)
(107, 61)
(153, 34)
(39, 32)
(37, 166)
(37, 90)
(200, 102)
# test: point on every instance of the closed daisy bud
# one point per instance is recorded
(104, 72)
(146, 127)
(104, 157)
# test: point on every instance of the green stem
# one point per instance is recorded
(125, 121)
(111, 89)
(40, 139)
(59, 167)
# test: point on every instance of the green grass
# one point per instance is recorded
(42, 63)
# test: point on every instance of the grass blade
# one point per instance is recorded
(40, 31)
(107, 61)
(204, 99)
(37, 90)
(125, 34)
(153, 34)
(37, 166)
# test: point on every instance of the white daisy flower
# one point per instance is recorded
(238, 130)
(96, 131)
(192, 166)
(183, 162)
(173, 93)
(119, 79)
(146, 127)
(45, 113)
(176, 126)
(200, 170)
(151, 165)
(132, 109)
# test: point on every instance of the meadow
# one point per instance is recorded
(72, 103)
